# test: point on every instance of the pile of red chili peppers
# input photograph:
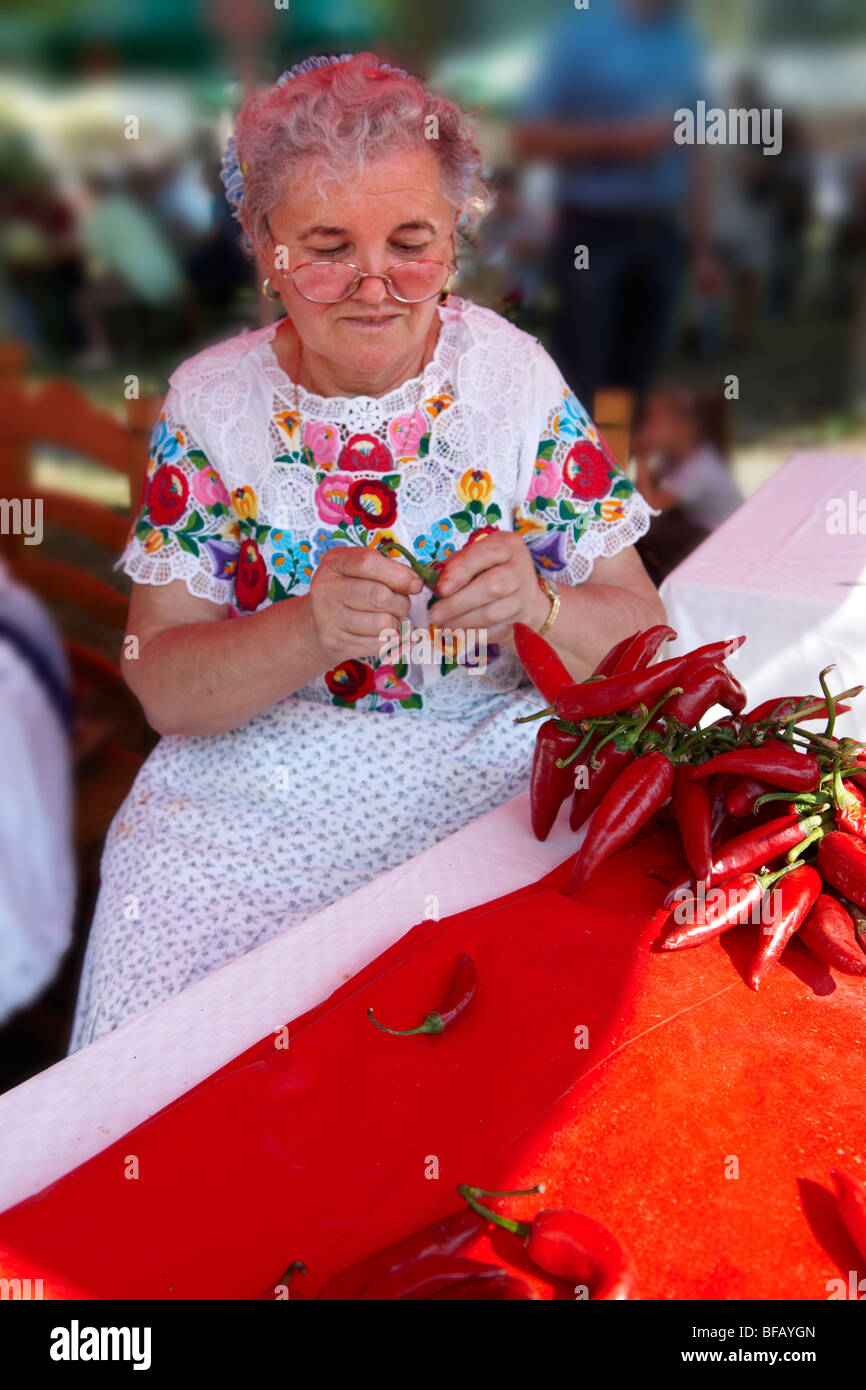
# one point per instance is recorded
(772, 815)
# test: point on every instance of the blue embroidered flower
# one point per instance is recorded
(434, 546)
(165, 443)
(572, 421)
(324, 541)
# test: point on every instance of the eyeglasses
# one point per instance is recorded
(410, 282)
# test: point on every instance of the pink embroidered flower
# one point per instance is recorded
(545, 479)
(208, 488)
(405, 433)
(332, 495)
(323, 441)
(387, 682)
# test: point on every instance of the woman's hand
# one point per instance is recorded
(356, 594)
(491, 584)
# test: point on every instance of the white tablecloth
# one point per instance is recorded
(781, 571)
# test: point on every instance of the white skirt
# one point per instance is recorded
(226, 841)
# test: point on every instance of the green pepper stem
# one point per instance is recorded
(432, 1024)
(425, 572)
(517, 1228)
(831, 703)
(547, 713)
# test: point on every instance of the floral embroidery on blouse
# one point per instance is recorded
(185, 504)
(576, 482)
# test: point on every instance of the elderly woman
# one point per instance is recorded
(300, 759)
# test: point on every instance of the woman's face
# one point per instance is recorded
(395, 213)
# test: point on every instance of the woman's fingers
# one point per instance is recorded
(493, 596)
(365, 562)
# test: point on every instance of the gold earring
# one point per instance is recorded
(268, 290)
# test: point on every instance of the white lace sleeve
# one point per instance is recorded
(185, 527)
(577, 503)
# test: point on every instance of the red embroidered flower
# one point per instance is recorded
(374, 503)
(586, 471)
(166, 496)
(350, 680)
(251, 578)
(364, 451)
(481, 531)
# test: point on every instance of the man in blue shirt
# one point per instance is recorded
(602, 111)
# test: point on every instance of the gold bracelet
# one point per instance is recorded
(552, 594)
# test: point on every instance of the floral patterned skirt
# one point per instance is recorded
(226, 841)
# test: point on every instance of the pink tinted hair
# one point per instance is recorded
(337, 117)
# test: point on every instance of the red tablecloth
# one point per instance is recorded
(700, 1122)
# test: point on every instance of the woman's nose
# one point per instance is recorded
(372, 290)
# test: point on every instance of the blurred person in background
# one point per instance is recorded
(133, 272)
(680, 449)
(37, 873)
(302, 755)
(41, 255)
(602, 110)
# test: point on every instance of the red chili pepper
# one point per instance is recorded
(842, 863)
(851, 1199)
(775, 762)
(541, 663)
(443, 1237)
(571, 1247)
(705, 683)
(693, 811)
(741, 795)
(639, 791)
(296, 1267)
(460, 994)
(641, 648)
(756, 848)
(609, 661)
(708, 916)
(430, 1277)
(549, 785)
(718, 787)
(830, 935)
(792, 901)
(611, 761)
(507, 1289)
(850, 804)
(778, 708)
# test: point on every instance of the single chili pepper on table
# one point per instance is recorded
(842, 864)
(508, 1289)
(432, 1276)
(775, 762)
(441, 1238)
(549, 785)
(692, 809)
(829, 933)
(729, 905)
(851, 1200)
(460, 994)
(638, 791)
(570, 1246)
(791, 904)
